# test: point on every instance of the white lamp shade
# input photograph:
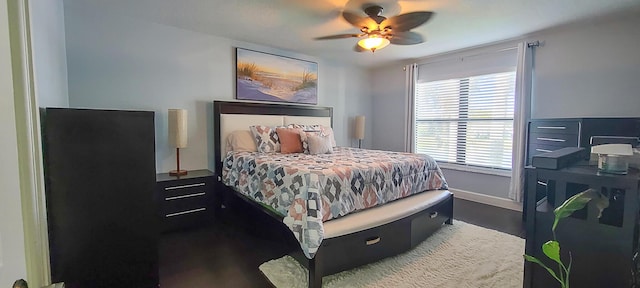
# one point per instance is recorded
(178, 128)
(360, 127)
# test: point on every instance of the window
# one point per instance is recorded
(467, 120)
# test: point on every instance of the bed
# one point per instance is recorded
(336, 236)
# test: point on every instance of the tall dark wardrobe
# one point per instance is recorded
(99, 179)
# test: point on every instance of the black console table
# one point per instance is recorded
(604, 250)
(548, 135)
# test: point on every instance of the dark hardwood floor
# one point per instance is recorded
(227, 252)
(496, 218)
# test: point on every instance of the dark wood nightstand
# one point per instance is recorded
(185, 201)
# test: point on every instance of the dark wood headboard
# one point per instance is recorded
(225, 107)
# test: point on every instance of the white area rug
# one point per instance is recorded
(457, 256)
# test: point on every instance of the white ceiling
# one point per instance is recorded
(292, 24)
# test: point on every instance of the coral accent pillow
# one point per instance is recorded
(319, 144)
(290, 141)
(241, 141)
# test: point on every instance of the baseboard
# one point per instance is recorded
(486, 199)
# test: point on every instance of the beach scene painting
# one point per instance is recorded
(266, 77)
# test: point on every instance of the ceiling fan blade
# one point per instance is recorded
(406, 38)
(358, 21)
(339, 36)
(357, 48)
(408, 21)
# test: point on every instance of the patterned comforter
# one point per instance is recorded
(310, 189)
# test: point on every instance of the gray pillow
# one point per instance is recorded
(319, 144)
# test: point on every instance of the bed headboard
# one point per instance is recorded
(231, 116)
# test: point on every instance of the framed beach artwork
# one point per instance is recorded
(267, 77)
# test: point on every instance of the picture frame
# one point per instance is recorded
(268, 77)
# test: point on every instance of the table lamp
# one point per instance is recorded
(178, 136)
(359, 130)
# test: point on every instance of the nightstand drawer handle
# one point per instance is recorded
(185, 196)
(185, 212)
(372, 241)
(551, 139)
(185, 186)
(543, 150)
(552, 127)
(433, 214)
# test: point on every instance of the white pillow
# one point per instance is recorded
(319, 144)
(241, 141)
(305, 142)
(316, 128)
(328, 131)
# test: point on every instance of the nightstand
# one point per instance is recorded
(185, 201)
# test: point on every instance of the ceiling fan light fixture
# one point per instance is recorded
(379, 31)
(373, 43)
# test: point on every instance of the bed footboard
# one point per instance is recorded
(363, 247)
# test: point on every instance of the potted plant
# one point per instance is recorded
(551, 248)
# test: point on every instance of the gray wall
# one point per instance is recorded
(389, 102)
(589, 70)
(582, 70)
(49, 52)
(117, 62)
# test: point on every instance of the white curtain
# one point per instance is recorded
(521, 117)
(410, 123)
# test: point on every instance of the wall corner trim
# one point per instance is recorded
(486, 199)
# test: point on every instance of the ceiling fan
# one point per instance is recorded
(379, 31)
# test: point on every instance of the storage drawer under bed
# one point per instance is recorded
(359, 248)
(428, 222)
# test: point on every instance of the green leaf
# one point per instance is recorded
(577, 202)
(551, 272)
(552, 250)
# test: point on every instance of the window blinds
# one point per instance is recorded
(464, 111)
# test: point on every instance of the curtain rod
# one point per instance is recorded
(529, 45)
(454, 57)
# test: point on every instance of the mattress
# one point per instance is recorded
(308, 190)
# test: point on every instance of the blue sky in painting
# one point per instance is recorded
(283, 65)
